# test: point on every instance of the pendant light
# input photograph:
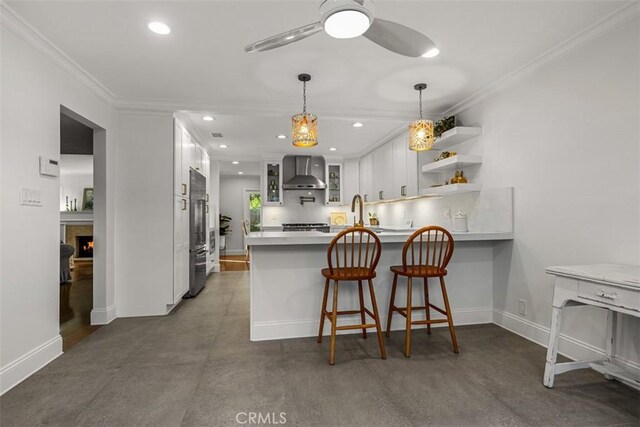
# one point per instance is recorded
(304, 127)
(421, 136)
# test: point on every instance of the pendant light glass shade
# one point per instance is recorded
(304, 130)
(304, 126)
(421, 136)
(421, 132)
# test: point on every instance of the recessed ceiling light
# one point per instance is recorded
(332, 149)
(357, 125)
(240, 173)
(281, 136)
(207, 118)
(159, 28)
(223, 146)
(431, 53)
(235, 162)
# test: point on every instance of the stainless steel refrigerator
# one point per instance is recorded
(197, 233)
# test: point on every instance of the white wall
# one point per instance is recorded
(232, 204)
(566, 138)
(34, 86)
(144, 232)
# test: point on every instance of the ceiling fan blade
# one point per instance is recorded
(285, 38)
(399, 38)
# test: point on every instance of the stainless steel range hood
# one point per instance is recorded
(303, 173)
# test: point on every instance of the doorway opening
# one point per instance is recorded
(251, 221)
(77, 225)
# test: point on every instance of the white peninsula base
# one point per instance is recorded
(286, 285)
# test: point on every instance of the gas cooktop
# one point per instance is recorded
(306, 226)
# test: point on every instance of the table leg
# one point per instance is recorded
(612, 328)
(552, 350)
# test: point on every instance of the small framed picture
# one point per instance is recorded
(87, 199)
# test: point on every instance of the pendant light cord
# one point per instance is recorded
(304, 97)
(420, 104)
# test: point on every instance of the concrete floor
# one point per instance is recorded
(197, 367)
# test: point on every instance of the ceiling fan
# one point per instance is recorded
(345, 19)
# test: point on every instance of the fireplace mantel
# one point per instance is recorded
(85, 217)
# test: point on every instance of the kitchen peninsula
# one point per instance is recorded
(286, 284)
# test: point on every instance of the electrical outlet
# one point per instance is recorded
(522, 307)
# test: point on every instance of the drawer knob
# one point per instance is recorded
(601, 293)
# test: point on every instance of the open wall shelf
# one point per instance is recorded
(455, 136)
(452, 164)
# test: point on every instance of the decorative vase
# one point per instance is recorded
(459, 178)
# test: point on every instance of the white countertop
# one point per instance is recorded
(271, 238)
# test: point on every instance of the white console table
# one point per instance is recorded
(610, 286)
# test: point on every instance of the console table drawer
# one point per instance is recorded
(611, 295)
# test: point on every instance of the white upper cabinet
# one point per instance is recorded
(350, 179)
(334, 180)
(271, 180)
(405, 169)
(383, 173)
(366, 177)
(177, 160)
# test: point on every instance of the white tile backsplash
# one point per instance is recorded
(487, 210)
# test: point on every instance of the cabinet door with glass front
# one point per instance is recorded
(272, 183)
(333, 175)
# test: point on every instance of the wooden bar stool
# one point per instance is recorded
(352, 256)
(425, 254)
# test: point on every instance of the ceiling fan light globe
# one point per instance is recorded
(431, 53)
(346, 24)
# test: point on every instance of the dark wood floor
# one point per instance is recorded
(76, 303)
(233, 263)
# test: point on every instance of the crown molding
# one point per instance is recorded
(264, 110)
(606, 24)
(16, 24)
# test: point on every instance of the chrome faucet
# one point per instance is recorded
(358, 198)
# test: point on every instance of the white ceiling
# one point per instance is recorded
(201, 65)
(250, 168)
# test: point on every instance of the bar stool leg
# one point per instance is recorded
(391, 302)
(452, 329)
(407, 333)
(323, 309)
(334, 321)
(362, 318)
(427, 308)
(377, 319)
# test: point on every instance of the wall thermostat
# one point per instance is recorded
(49, 167)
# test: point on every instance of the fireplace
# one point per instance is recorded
(84, 246)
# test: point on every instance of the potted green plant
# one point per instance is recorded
(224, 230)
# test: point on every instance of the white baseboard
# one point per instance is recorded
(263, 331)
(568, 346)
(28, 364)
(103, 316)
(216, 268)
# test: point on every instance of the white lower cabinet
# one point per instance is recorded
(180, 248)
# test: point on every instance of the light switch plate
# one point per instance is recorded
(30, 196)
